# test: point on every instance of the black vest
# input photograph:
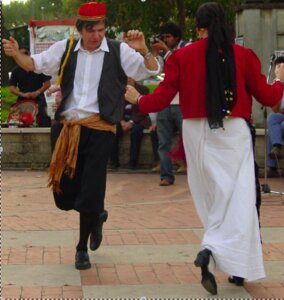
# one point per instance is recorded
(112, 83)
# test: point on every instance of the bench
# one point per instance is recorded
(29, 148)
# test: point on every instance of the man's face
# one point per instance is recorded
(16, 116)
(170, 40)
(92, 37)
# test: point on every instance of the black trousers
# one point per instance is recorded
(256, 170)
(86, 192)
(155, 145)
(43, 119)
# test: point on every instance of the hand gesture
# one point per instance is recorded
(158, 46)
(153, 127)
(11, 46)
(27, 95)
(34, 94)
(52, 89)
(126, 126)
(131, 94)
(135, 39)
(279, 71)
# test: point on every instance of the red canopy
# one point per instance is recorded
(33, 23)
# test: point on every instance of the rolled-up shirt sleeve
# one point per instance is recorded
(133, 65)
(48, 62)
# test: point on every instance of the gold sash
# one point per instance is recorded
(64, 156)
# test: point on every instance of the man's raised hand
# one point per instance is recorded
(135, 39)
(10, 46)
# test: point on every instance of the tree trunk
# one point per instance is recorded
(181, 15)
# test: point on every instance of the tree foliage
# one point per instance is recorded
(148, 15)
(7, 63)
(145, 15)
(19, 13)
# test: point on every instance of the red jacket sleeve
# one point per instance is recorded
(165, 91)
(266, 94)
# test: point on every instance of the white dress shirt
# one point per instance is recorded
(83, 101)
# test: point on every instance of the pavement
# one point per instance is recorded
(150, 242)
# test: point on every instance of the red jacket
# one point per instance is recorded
(185, 73)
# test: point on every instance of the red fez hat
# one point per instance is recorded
(92, 11)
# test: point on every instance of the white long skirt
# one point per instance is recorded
(222, 183)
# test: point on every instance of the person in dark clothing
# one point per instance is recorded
(275, 129)
(169, 120)
(93, 74)
(133, 122)
(31, 86)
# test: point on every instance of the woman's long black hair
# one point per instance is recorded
(220, 64)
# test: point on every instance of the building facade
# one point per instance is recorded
(260, 26)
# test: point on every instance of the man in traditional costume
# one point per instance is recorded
(93, 74)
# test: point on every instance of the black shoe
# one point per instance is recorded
(114, 165)
(82, 260)
(208, 280)
(239, 281)
(97, 232)
(275, 153)
(132, 165)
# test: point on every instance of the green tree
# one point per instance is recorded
(16, 14)
(148, 15)
(7, 63)
(19, 13)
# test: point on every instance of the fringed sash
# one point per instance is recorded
(65, 153)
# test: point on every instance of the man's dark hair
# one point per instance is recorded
(172, 29)
(279, 60)
(88, 25)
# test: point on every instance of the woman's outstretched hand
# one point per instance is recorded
(131, 94)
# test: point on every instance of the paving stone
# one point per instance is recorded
(150, 241)
(163, 291)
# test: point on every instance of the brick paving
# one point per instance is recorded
(150, 241)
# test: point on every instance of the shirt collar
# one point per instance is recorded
(103, 47)
(179, 44)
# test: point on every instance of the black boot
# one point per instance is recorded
(239, 281)
(82, 260)
(208, 280)
(97, 231)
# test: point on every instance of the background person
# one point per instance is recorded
(93, 72)
(275, 126)
(133, 123)
(19, 118)
(216, 108)
(169, 120)
(30, 85)
(54, 89)
(154, 142)
(15, 118)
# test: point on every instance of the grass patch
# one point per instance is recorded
(7, 99)
(151, 87)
